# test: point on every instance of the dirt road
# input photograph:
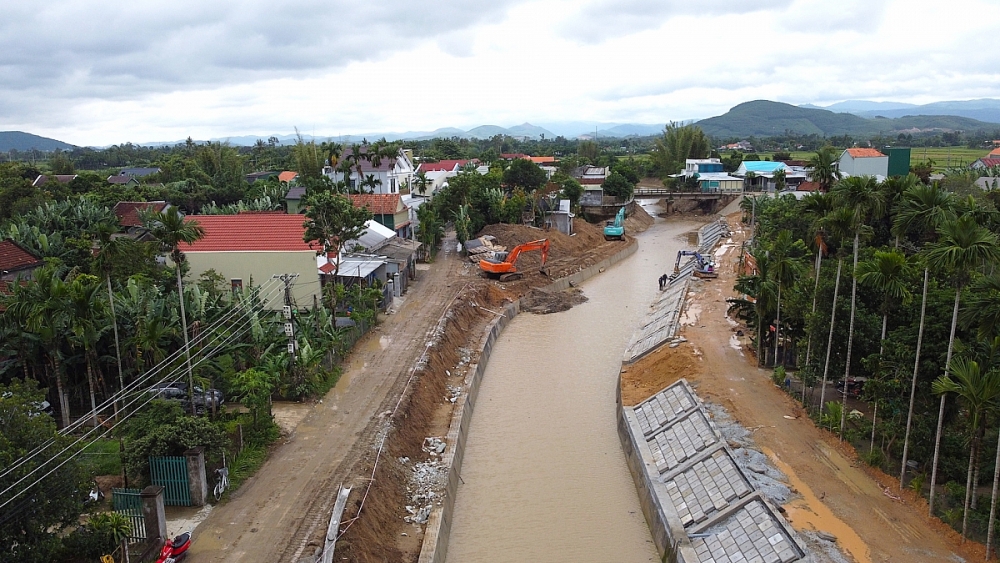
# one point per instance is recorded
(272, 517)
(835, 488)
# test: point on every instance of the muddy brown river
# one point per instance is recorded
(544, 474)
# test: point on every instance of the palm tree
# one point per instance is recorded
(962, 247)
(785, 269)
(43, 304)
(87, 324)
(839, 223)
(924, 209)
(170, 228)
(816, 206)
(824, 168)
(760, 288)
(979, 390)
(861, 196)
(420, 178)
(112, 251)
(886, 273)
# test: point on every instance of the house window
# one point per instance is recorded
(392, 185)
(237, 284)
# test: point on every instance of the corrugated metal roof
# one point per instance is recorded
(761, 165)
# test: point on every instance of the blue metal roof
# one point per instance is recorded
(762, 165)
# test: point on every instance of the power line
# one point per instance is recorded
(246, 319)
(141, 381)
(135, 398)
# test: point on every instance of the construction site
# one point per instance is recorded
(466, 430)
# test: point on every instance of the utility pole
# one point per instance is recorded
(287, 312)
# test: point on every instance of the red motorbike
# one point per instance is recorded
(176, 549)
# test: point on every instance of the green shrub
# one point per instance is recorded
(874, 458)
(778, 376)
(917, 484)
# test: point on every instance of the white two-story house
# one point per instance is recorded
(388, 176)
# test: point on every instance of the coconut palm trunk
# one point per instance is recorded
(993, 504)
(777, 327)
(809, 341)
(940, 422)
(829, 342)
(913, 382)
(118, 351)
(850, 335)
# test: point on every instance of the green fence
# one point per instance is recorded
(171, 473)
(128, 503)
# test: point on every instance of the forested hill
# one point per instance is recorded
(20, 141)
(763, 118)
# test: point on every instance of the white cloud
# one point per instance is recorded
(91, 73)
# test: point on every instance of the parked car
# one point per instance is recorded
(178, 391)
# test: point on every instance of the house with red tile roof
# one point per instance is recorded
(16, 261)
(388, 210)
(128, 213)
(445, 165)
(250, 248)
(391, 175)
(986, 163)
(995, 153)
(287, 176)
(864, 162)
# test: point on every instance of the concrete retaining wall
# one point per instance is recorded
(435, 544)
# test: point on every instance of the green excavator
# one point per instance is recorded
(615, 230)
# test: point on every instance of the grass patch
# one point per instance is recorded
(102, 457)
(245, 465)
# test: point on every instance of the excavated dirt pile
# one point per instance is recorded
(543, 302)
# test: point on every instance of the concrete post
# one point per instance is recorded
(197, 481)
(154, 518)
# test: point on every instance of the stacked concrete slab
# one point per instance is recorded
(698, 502)
(663, 321)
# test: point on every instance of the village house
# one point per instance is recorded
(985, 162)
(61, 178)
(390, 176)
(17, 262)
(864, 162)
(388, 210)
(128, 213)
(592, 179)
(138, 172)
(711, 176)
(251, 248)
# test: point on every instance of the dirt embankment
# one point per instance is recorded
(890, 525)
(407, 469)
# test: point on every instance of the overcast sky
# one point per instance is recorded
(97, 72)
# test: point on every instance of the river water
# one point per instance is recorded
(545, 479)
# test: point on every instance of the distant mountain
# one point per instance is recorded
(764, 118)
(632, 130)
(529, 130)
(20, 141)
(987, 110)
(856, 106)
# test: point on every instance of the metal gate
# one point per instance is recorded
(171, 473)
(128, 503)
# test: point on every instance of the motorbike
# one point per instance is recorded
(176, 549)
(95, 495)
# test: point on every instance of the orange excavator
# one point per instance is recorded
(503, 264)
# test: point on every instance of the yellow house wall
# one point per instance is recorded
(259, 267)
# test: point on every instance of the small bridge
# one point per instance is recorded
(646, 191)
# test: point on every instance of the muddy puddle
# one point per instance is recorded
(544, 475)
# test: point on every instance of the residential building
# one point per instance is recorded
(988, 183)
(694, 166)
(122, 180)
(864, 162)
(899, 161)
(287, 176)
(138, 172)
(995, 153)
(61, 178)
(758, 175)
(592, 179)
(264, 175)
(129, 219)
(388, 210)
(17, 262)
(720, 182)
(983, 163)
(251, 248)
(390, 176)
(293, 199)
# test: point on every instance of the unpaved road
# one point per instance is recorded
(275, 513)
(830, 479)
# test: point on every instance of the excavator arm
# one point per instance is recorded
(507, 268)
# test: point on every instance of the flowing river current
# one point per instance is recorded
(544, 475)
